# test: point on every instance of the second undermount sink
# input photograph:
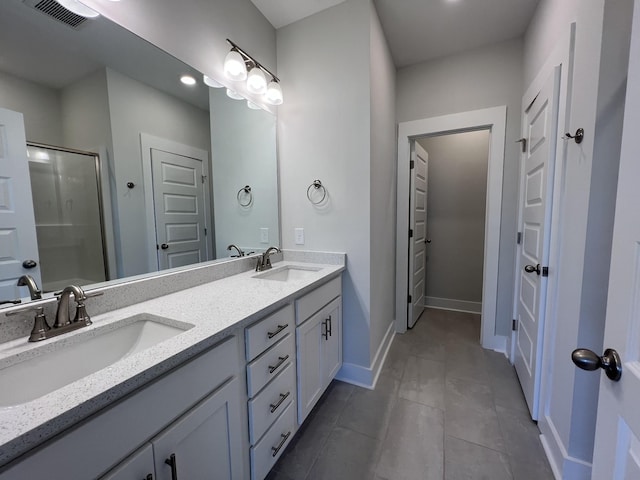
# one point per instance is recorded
(59, 363)
(287, 273)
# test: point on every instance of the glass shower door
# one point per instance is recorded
(68, 213)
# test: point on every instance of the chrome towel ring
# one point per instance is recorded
(317, 186)
(245, 194)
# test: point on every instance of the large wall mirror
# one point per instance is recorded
(130, 171)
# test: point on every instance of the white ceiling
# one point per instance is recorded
(421, 30)
(284, 12)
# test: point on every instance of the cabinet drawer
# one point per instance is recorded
(314, 301)
(271, 402)
(268, 331)
(265, 454)
(270, 364)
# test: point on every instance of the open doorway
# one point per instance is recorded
(492, 121)
(455, 219)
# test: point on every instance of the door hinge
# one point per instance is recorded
(409, 299)
(410, 233)
(523, 142)
(205, 232)
(412, 165)
(157, 247)
(514, 325)
(519, 238)
(204, 177)
(545, 271)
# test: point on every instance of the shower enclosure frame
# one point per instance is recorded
(98, 171)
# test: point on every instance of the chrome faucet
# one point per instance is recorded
(63, 318)
(240, 252)
(264, 262)
(30, 283)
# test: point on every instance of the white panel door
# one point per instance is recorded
(179, 204)
(417, 235)
(540, 123)
(17, 224)
(617, 443)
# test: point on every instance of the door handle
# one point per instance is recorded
(428, 240)
(588, 360)
(164, 246)
(531, 269)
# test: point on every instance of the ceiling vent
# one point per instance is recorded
(57, 11)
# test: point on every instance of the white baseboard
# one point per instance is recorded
(368, 376)
(564, 466)
(453, 304)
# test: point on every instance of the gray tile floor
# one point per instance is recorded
(443, 408)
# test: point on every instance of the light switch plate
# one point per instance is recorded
(264, 235)
(299, 236)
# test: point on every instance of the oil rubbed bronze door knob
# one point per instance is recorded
(588, 360)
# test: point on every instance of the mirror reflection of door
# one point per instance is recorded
(17, 231)
(179, 205)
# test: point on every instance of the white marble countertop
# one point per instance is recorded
(216, 309)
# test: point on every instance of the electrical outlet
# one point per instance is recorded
(299, 236)
(264, 235)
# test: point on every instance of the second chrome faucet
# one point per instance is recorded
(264, 260)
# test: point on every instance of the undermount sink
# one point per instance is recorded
(287, 273)
(56, 364)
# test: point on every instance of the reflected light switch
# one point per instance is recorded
(299, 236)
(264, 235)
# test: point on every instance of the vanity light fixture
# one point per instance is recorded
(78, 8)
(257, 78)
(252, 105)
(210, 82)
(188, 80)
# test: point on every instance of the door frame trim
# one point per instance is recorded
(147, 142)
(494, 119)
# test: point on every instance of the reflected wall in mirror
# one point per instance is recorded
(168, 153)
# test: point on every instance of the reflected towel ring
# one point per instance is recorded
(317, 185)
(247, 193)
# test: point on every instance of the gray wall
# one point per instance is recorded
(324, 133)
(383, 185)
(40, 106)
(456, 207)
(482, 78)
(136, 108)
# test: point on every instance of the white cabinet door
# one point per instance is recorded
(138, 466)
(319, 352)
(206, 442)
(309, 353)
(332, 343)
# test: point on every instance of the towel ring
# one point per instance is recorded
(316, 185)
(247, 192)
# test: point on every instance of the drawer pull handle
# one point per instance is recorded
(283, 397)
(270, 335)
(281, 360)
(284, 436)
(330, 325)
(171, 461)
(325, 334)
(149, 477)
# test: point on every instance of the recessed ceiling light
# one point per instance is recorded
(188, 80)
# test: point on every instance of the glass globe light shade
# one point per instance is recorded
(256, 82)
(234, 67)
(274, 93)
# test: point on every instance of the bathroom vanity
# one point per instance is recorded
(221, 397)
